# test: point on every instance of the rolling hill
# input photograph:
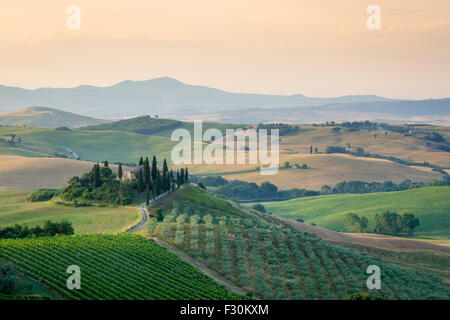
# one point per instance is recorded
(430, 204)
(268, 257)
(14, 208)
(46, 118)
(323, 169)
(432, 111)
(36, 173)
(142, 124)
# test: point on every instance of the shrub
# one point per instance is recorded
(42, 195)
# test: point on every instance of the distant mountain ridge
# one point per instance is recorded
(46, 118)
(157, 96)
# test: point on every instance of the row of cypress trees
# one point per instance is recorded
(153, 181)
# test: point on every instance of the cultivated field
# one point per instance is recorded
(114, 267)
(35, 173)
(322, 169)
(430, 204)
(258, 253)
(86, 220)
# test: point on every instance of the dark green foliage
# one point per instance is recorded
(201, 185)
(7, 279)
(392, 223)
(49, 229)
(140, 181)
(357, 186)
(120, 171)
(356, 223)
(146, 172)
(100, 184)
(154, 168)
(143, 125)
(258, 207)
(360, 296)
(436, 137)
(242, 190)
(210, 181)
(43, 195)
(409, 223)
(336, 149)
(284, 129)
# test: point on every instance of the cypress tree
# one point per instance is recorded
(154, 168)
(178, 179)
(186, 175)
(119, 171)
(141, 162)
(182, 176)
(165, 177)
(310, 149)
(96, 175)
(158, 183)
(147, 196)
(146, 172)
(140, 181)
(106, 163)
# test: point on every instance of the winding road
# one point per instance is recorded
(143, 222)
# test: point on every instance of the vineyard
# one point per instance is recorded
(274, 262)
(112, 267)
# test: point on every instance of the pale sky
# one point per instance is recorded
(317, 47)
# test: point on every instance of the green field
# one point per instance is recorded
(430, 204)
(95, 145)
(112, 267)
(15, 209)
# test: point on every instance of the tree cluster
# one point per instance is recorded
(284, 129)
(392, 223)
(99, 184)
(356, 223)
(153, 181)
(357, 186)
(49, 229)
(241, 190)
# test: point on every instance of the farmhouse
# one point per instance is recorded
(131, 173)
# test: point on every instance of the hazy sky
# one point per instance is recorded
(315, 47)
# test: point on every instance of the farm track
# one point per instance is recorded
(143, 222)
(200, 266)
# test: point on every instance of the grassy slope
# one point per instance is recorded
(430, 204)
(96, 145)
(45, 117)
(15, 209)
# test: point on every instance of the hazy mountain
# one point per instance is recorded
(156, 96)
(47, 118)
(433, 111)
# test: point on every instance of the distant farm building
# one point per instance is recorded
(131, 173)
